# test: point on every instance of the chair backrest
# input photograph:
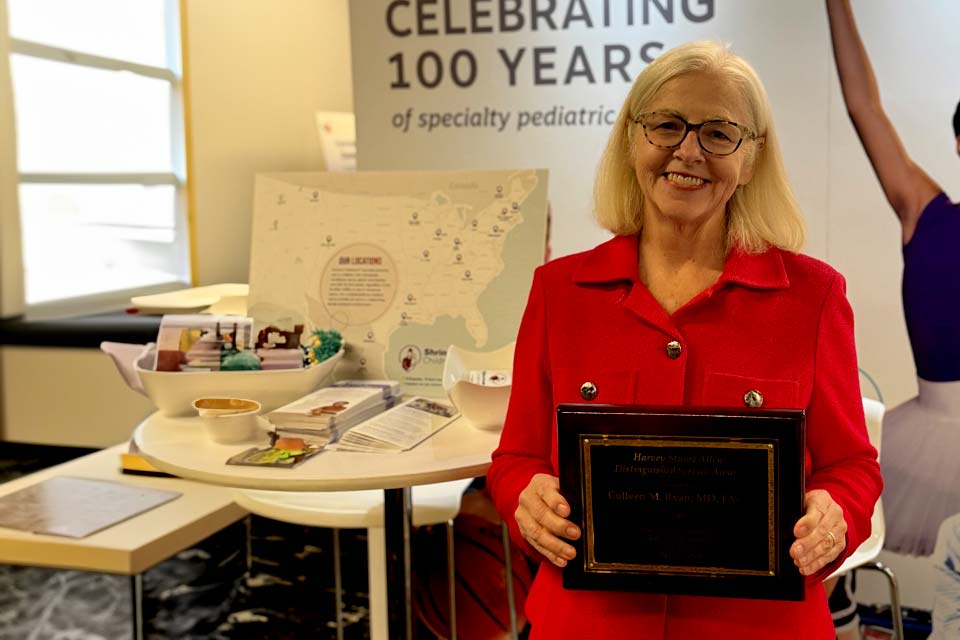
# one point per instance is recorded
(865, 375)
(873, 411)
(337, 131)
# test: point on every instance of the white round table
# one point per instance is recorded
(181, 447)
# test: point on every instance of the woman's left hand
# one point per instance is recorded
(821, 533)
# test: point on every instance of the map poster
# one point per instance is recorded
(403, 264)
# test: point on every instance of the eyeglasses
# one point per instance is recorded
(716, 137)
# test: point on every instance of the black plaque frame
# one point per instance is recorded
(660, 466)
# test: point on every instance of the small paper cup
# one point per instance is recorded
(222, 406)
(229, 420)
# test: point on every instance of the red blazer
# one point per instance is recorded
(777, 322)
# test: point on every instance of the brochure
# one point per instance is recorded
(400, 428)
(284, 452)
(77, 507)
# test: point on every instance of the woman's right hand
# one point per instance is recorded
(541, 517)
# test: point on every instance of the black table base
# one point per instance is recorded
(398, 524)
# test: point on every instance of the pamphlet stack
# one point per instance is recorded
(322, 416)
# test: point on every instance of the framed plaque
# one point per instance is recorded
(685, 501)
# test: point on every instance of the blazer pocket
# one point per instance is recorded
(730, 390)
(584, 384)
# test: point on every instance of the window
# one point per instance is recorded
(100, 148)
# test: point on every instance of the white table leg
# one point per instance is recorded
(377, 579)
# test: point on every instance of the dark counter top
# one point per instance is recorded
(80, 331)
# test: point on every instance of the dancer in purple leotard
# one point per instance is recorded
(921, 438)
(920, 453)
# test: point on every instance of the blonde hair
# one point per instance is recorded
(761, 213)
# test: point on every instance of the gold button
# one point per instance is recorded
(674, 349)
(588, 391)
(753, 399)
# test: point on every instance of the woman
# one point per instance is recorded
(697, 300)
(921, 437)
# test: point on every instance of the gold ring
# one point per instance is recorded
(833, 539)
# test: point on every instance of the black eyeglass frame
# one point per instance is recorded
(745, 131)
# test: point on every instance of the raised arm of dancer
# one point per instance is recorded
(907, 187)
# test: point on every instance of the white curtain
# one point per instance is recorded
(11, 262)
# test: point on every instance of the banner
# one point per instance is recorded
(511, 83)
(537, 83)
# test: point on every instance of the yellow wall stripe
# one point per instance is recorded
(188, 143)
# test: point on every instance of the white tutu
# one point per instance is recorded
(920, 461)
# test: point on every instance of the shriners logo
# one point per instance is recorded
(409, 357)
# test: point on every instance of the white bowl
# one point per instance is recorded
(173, 392)
(484, 406)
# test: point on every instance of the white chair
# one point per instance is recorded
(865, 555)
(337, 131)
(432, 504)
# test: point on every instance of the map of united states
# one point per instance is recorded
(403, 264)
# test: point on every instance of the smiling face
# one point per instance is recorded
(686, 185)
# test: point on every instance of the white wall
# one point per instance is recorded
(257, 71)
(66, 396)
